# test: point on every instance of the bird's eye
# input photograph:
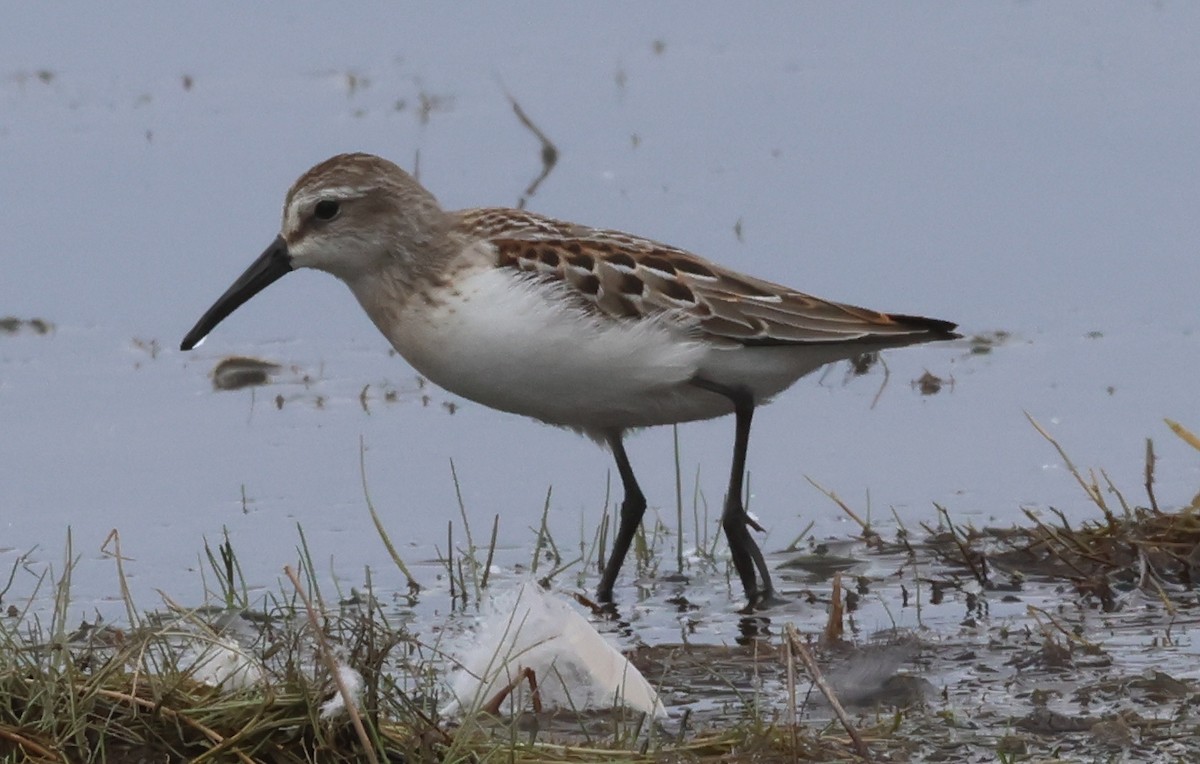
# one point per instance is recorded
(326, 209)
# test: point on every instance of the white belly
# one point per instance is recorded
(518, 344)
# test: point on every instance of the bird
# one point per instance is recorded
(593, 330)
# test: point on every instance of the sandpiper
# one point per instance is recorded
(595, 330)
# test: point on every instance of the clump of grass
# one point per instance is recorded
(209, 684)
(1128, 546)
(244, 681)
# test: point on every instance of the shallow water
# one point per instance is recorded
(1025, 168)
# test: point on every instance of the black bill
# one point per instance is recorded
(263, 272)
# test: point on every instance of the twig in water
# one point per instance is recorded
(544, 539)
(979, 572)
(487, 566)
(1150, 475)
(810, 664)
(413, 586)
(549, 150)
(462, 511)
(547, 579)
(1091, 489)
(1183, 433)
(834, 628)
(115, 538)
(887, 374)
(863, 524)
(602, 529)
(450, 558)
(12, 573)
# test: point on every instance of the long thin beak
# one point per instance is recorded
(268, 268)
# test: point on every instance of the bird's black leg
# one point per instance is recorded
(742, 546)
(632, 509)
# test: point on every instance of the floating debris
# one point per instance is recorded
(549, 154)
(236, 372)
(149, 347)
(861, 364)
(930, 383)
(982, 343)
(430, 103)
(12, 325)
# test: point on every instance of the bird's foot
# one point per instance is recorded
(769, 598)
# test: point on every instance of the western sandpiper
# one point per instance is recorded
(595, 330)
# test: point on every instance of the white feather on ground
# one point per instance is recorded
(222, 662)
(577, 669)
(353, 682)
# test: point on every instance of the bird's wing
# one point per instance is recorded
(625, 276)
